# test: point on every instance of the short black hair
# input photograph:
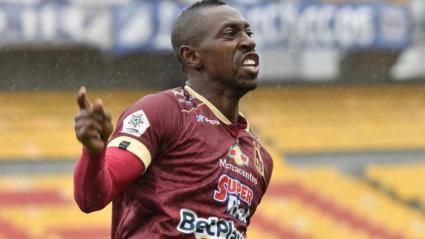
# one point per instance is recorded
(187, 29)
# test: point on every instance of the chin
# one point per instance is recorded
(252, 85)
(247, 85)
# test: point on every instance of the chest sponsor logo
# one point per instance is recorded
(204, 119)
(135, 123)
(235, 194)
(236, 154)
(211, 227)
(235, 209)
(226, 165)
(227, 185)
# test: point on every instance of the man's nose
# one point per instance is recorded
(248, 42)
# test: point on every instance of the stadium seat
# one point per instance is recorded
(404, 180)
(354, 203)
(39, 125)
(313, 119)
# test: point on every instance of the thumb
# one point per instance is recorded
(82, 99)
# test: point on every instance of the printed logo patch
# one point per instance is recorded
(135, 123)
(202, 118)
(227, 186)
(236, 195)
(211, 227)
(236, 154)
(244, 173)
(258, 160)
(235, 209)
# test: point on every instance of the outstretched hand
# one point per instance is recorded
(93, 125)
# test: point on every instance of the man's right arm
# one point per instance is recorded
(101, 173)
(98, 179)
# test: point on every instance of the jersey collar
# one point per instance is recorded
(214, 109)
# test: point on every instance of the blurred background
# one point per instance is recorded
(341, 106)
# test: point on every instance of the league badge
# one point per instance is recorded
(135, 123)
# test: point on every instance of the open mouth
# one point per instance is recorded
(251, 62)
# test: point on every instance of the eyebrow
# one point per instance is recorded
(235, 24)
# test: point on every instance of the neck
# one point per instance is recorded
(223, 98)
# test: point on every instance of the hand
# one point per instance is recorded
(93, 125)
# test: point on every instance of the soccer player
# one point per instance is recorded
(182, 163)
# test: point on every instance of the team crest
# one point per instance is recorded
(135, 123)
(258, 160)
(236, 154)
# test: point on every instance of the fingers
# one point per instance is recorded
(89, 115)
(108, 117)
(82, 99)
(98, 107)
(93, 125)
(88, 125)
(88, 132)
(107, 127)
(88, 136)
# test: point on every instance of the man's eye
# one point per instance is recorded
(249, 33)
(230, 33)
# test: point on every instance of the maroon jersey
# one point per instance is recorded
(205, 175)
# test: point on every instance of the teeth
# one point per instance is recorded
(249, 62)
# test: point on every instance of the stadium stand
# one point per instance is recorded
(39, 85)
(40, 125)
(367, 1)
(313, 203)
(292, 119)
(43, 207)
(330, 118)
(353, 203)
(318, 203)
(405, 180)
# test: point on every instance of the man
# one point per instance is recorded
(181, 163)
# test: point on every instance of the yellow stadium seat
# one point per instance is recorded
(403, 179)
(39, 125)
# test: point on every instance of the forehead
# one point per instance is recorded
(217, 17)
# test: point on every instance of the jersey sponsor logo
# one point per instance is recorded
(226, 165)
(211, 227)
(202, 118)
(178, 92)
(228, 186)
(135, 123)
(258, 160)
(233, 192)
(236, 154)
(185, 101)
(235, 209)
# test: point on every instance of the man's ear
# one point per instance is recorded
(190, 57)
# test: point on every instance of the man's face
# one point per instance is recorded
(227, 50)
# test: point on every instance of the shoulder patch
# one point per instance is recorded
(135, 123)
